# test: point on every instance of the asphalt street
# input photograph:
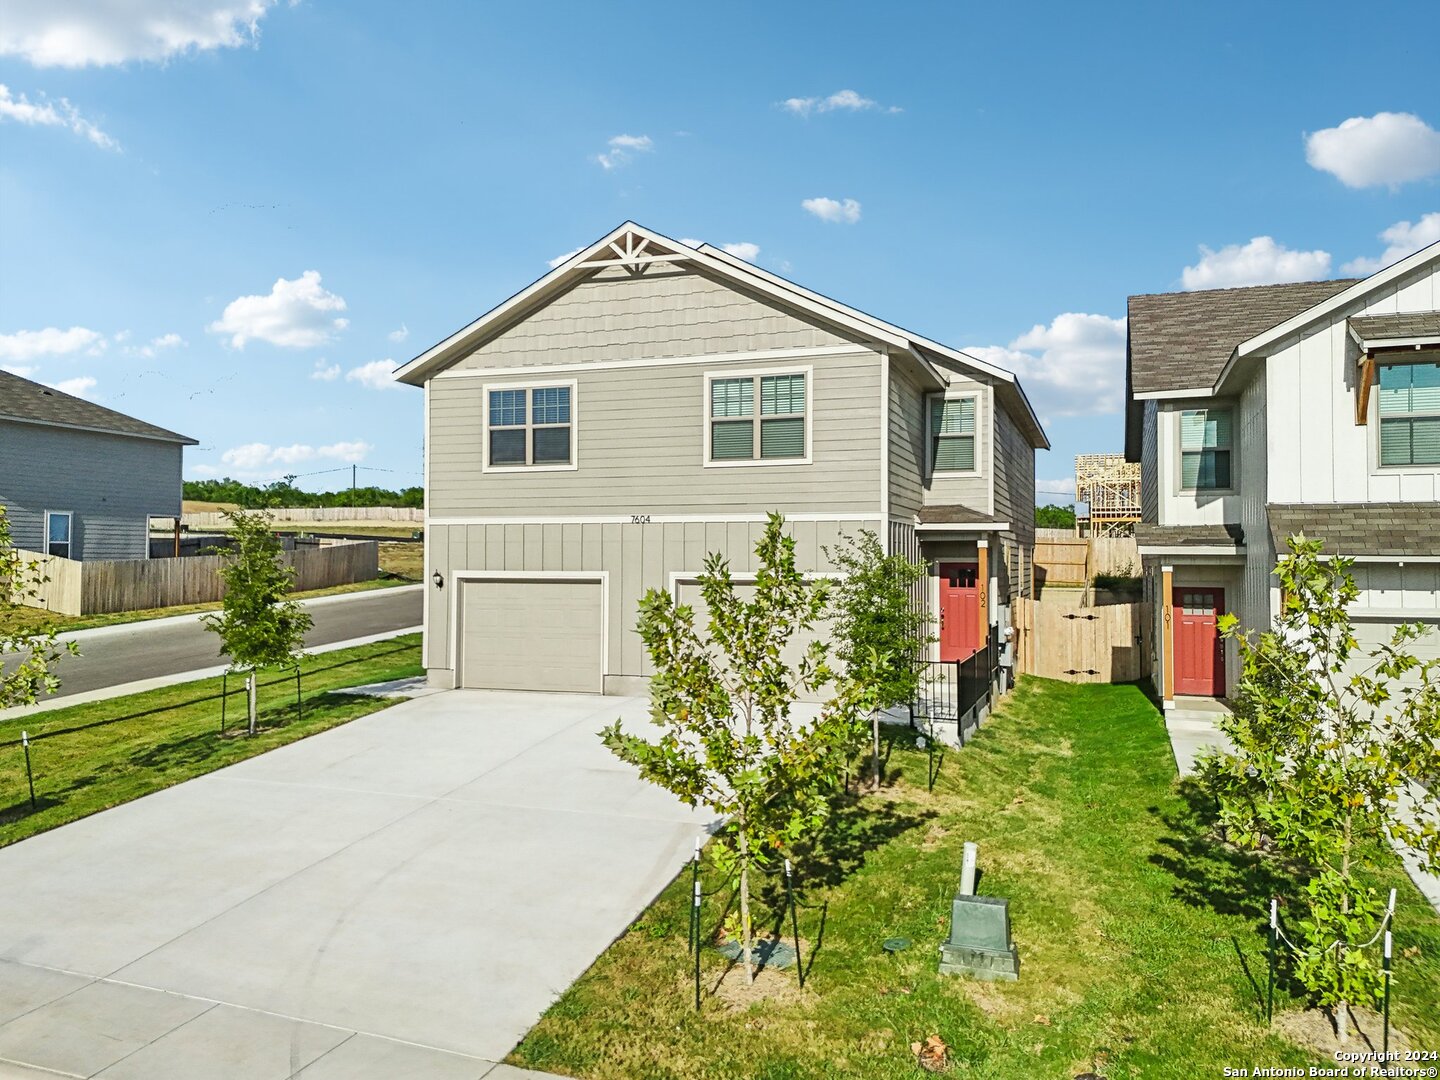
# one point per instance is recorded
(113, 656)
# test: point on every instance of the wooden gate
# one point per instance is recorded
(1107, 644)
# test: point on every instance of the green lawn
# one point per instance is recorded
(1140, 941)
(173, 734)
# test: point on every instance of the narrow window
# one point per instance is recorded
(782, 416)
(57, 533)
(1205, 449)
(550, 413)
(507, 427)
(1410, 414)
(732, 424)
(952, 434)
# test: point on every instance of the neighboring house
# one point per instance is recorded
(646, 403)
(1261, 412)
(79, 480)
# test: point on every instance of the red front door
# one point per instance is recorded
(1199, 652)
(959, 610)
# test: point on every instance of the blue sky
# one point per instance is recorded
(233, 226)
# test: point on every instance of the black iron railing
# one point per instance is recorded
(956, 691)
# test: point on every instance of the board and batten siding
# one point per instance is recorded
(637, 557)
(1318, 454)
(1259, 593)
(640, 440)
(112, 484)
(664, 312)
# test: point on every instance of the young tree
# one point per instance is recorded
(25, 682)
(258, 627)
(879, 629)
(1329, 743)
(724, 701)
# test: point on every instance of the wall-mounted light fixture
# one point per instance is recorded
(438, 579)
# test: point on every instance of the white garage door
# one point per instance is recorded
(531, 635)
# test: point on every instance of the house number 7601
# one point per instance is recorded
(639, 519)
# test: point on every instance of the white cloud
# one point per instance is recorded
(80, 386)
(1367, 151)
(325, 372)
(1063, 486)
(44, 113)
(377, 375)
(558, 259)
(1260, 262)
(29, 344)
(846, 210)
(296, 314)
(400, 335)
(256, 458)
(848, 100)
(744, 250)
(623, 148)
(1073, 367)
(81, 33)
(25, 371)
(156, 344)
(1401, 239)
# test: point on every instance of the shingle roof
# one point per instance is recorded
(1404, 528)
(1179, 341)
(1230, 534)
(953, 515)
(1410, 325)
(30, 402)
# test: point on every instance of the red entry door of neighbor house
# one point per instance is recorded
(959, 610)
(1199, 652)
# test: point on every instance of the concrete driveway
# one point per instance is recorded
(401, 896)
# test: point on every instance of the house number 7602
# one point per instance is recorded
(639, 519)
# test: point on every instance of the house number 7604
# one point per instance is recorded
(639, 519)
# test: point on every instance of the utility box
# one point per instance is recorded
(979, 942)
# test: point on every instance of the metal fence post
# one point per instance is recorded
(690, 941)
(29, 776)
(696, 904)
(299, 709)
(794, 924)
(1387, 995)
(224, 697)
(1270, 983)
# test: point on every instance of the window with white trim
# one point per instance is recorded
(1206, 449)
(737, 433)
(58, 527)
(952, 434)
(1409, 414)
(530, 426)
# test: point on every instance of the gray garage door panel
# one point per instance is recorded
(531, 635)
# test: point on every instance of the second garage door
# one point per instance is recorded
(531, 635)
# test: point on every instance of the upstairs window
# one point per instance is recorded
(952, 434)
(1206, 449)
(1410, 414)
(531, 426)
(777, 432)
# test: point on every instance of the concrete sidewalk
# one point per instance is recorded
(400, 896)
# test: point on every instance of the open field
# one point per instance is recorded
(171, 734)
(1141, 940)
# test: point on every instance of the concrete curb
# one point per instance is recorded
(141, 625)
(141, 685)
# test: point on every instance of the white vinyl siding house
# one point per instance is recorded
(647, 404)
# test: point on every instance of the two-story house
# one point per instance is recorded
(646, 403)
(81, 481)
(1258, 413)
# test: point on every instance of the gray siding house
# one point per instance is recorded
(79, 480)
(646, 403)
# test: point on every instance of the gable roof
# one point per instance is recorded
(1182, 341)
(634, 245)
(29, 402)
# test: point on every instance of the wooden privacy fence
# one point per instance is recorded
(1074, 560)
(315, 515)
(95, 588)
(1109, 644)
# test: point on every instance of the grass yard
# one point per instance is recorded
(173, 734)
(1141, 944)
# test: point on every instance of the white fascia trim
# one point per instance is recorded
(1387, 344)
(811, 352)
(458, 577)
(964, 527)
(178, 440)
(425, 563)
(1170, 550)
(1334, 303)
(1398, 560)
(1167, 395)
(648, 519)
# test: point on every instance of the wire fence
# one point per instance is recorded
(26, 739)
